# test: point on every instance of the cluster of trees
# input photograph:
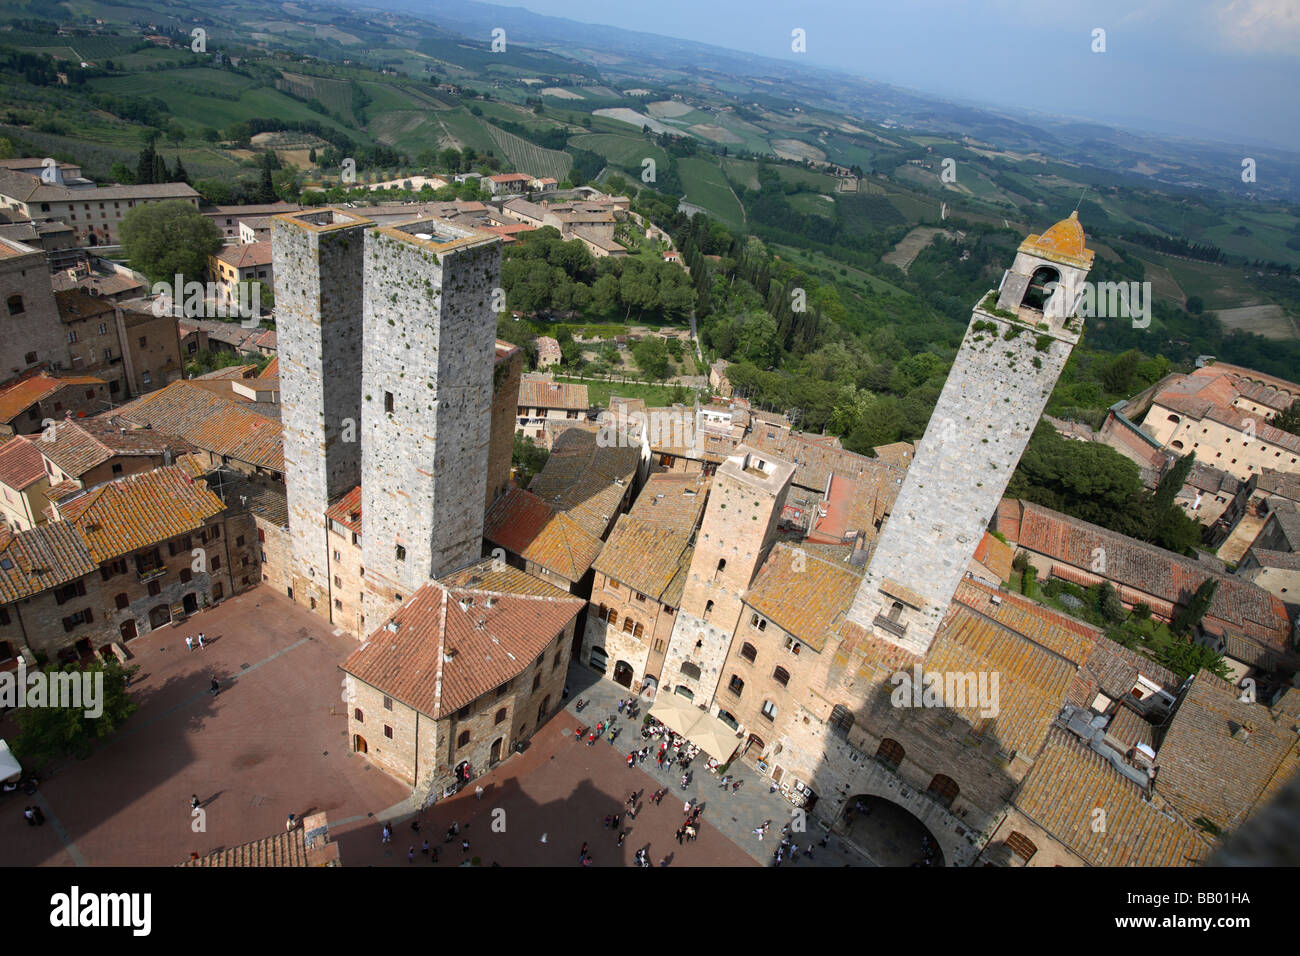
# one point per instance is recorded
(1177, 246)
(543, 272)
(1095, 483)
(162, 239)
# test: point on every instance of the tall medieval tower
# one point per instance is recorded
(426, 407)
(1008, 363)
(745, 502)
(319, 264)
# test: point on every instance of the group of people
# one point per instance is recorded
(189, 641)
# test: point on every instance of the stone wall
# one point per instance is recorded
(427, 379)
(319, 271)
(990, 404)
(505, 393)
(35, 327)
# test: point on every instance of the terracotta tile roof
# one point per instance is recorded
(854, 506)
(272, 369)
(79, 445)
(1059, 633)
(140, 511)
(21, 464)
(1220, 754)
(347, 510)
(260, 497)
(246, 255)
(1113, 670)
(39, 558)
(585, 478)
(283, 849)
(1152, 570)
(1279, 483)
(816, 460)
(462, 636)
(212, 422)
(1032, 679)
(545, 393)
(805, 590)
(525, 525)
(995, 555)
(899, 454)
(26, 392)
(1069, 781)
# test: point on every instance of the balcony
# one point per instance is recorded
(897, 628)
(152, 574)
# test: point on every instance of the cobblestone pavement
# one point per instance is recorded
(734, 814)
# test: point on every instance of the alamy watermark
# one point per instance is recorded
(210, 300)
(956, 689)
(1103, 300)
(78, 690)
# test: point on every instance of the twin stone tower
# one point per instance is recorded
(386, 342)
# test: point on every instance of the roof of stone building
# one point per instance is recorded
(1280, 483)
(246, 255)
(21, 395)
(1216, 481)
(1128, 728)
(260, 498)
(650, 548)
(21, 464)
(1198, 393)
(855, 505)
(42, 557)
(76, 305)
(78, 445)
(537, 392)
(1069, 782)
(899, 454)
(806, 590)
(525, 525)
(1113, 669)
(585, 477)
(282, 849)
(462, 636)
(995, 555)
(1063, 241)
(815, 460)
(139, 511)
(1282, 560)
(1220, 755)
(1032, 680)
(1153, 570)
(1059, 633)
(28, 188)
(215, 423)
(347, 510)
(1268, 395)
(272, 369)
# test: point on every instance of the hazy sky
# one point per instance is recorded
(1222, 69)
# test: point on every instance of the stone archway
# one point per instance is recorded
(888, 833)
(623, 673)
(160, 616)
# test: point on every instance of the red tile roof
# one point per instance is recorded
(460, 637)
(216, 423)
(26, 392)
(21, 464)
(347, 510)
(40, 558)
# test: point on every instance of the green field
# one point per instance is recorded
(706, 186)
(530, 158)
(598, 392)
(624, 151)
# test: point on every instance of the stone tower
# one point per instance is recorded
(745, 503)
(426, 407)
(319, 266)
(1008, 363)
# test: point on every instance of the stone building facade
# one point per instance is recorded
(739, 525)
(32, 333)
(506, 374)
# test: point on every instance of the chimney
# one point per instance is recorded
(1241, 732)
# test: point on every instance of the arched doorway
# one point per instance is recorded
(359, 744)
(495, 754)
(888, 833)
(127, 629)
(599, 659)
(190, 603)
(160, 617)
(623, 673)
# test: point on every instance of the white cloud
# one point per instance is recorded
(1260, 26)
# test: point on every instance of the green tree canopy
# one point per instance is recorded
(163, 239)
(47, 733)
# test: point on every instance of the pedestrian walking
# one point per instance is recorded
(216, 687)
(735, 787)
(683, 781)
(620, 706)
(464, 846)
(686, 807)
(582, 854)
(194, 802)
(622, 835)
(478, 792)
(201, 644)
(385, 835)
(410, 854)
(30, 814)
(290, 823)
(424, 847)
(681, 833)
(189, 642)
(608, 820)
(617, 819)
(591, 739)
(725, 780)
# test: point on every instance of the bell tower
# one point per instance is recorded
(1015, 347)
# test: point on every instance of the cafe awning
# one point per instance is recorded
(699, 727)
